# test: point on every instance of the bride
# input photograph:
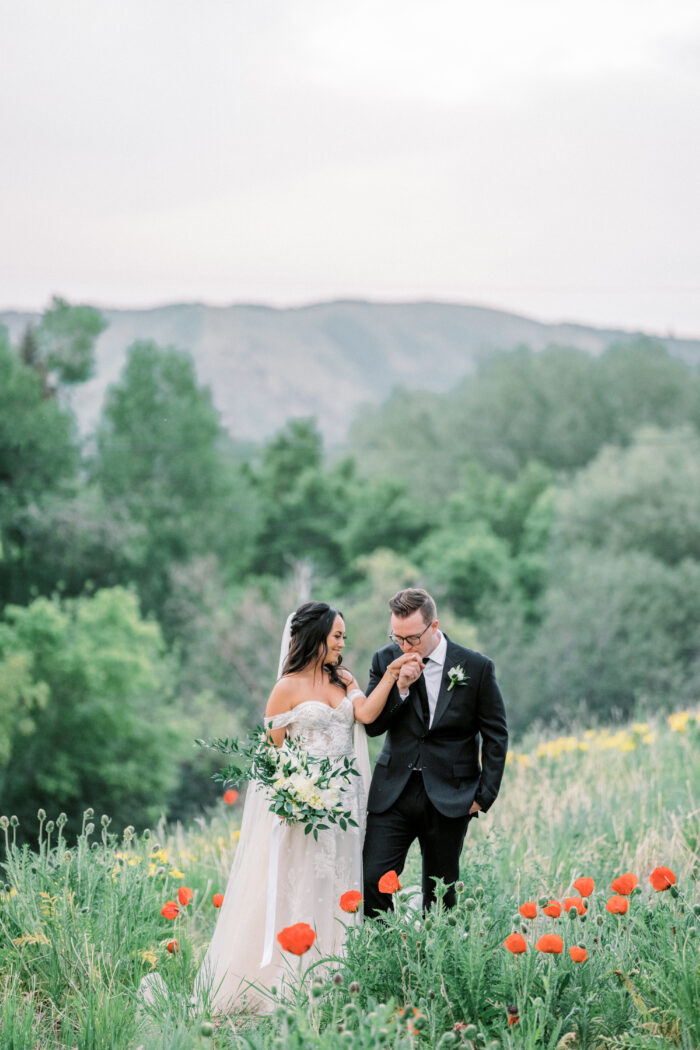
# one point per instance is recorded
(280, 876)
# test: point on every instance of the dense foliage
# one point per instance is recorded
(550, 501)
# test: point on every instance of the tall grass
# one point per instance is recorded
(81, 923)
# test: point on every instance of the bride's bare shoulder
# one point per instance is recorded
(283, 696)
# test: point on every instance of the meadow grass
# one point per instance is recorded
(81, 923)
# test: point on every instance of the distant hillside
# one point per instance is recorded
(264, 365)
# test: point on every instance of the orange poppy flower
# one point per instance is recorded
(584, 885)
(389, 882)
(575, 902)
(624, 884)
(528, 910)
(350, 901)
(662, 878)
(217, 900)
(230, 797)
(516, 943)
(172, 947)
(169, 910)
(550, 943)
(296, 939)
(553, 909)
(617, 905)
(184, 895)
(578, 954)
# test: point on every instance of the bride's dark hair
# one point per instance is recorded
(310, 627)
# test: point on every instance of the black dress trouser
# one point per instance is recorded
(390, 834)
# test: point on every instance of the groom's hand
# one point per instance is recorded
(410, 670)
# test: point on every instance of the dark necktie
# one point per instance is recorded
(423, 694)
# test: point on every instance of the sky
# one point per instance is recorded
(541, 156)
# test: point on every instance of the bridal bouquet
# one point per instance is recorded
(301, 789)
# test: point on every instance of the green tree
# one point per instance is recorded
(61, 348)
(85, 687)
(164, 463)
(644, 497)
(39, 457)
(304, 507)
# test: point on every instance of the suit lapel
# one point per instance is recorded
(445, 694)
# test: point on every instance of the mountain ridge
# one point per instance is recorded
(265, 364)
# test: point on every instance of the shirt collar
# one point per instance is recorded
(439, 652)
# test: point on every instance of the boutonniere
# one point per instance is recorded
(456, 676)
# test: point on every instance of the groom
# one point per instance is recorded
(428, 781)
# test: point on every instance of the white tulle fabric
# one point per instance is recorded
(311, 875)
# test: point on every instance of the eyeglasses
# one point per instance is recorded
(410, 639)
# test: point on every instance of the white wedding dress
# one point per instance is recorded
(283, 877)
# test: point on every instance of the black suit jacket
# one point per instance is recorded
(454, 773)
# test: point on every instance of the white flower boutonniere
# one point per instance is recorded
(456, 676)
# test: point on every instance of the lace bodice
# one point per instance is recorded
(323, 731)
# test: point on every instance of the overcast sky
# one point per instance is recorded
(537, 155)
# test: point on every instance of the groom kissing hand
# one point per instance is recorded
(430, 778)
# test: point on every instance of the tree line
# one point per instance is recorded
(550, 501)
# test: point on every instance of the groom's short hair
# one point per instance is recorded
(411, 599)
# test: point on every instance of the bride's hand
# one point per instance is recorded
(408, 663)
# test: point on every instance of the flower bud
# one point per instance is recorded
(105, 821)
(41, 814)
(49, 826)
(337, 978)
(61, 820)
(89, 828)
(354, 988)
(89, 813)
(14, 821)
(479, 892)
(206, 1029)
(4, 822)
(459, 887)
(470, 904)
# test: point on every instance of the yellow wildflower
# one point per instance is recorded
(38, 937)
(148, 955)
(678, 721)
(175, 873)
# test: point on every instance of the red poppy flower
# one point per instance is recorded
(575, 902)
(350, 901)
(528, 910)
(389, 882)
(550, 943)
(169, 910)
(172, 947)
(217, 900)
(516, 943)
(230, 797)
(512, 1019)
(617, 905)
(584, 885)
(578, 954)
(662, 878)
(184, 895)
(553, 909)
(296, 939)
(624, 884)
